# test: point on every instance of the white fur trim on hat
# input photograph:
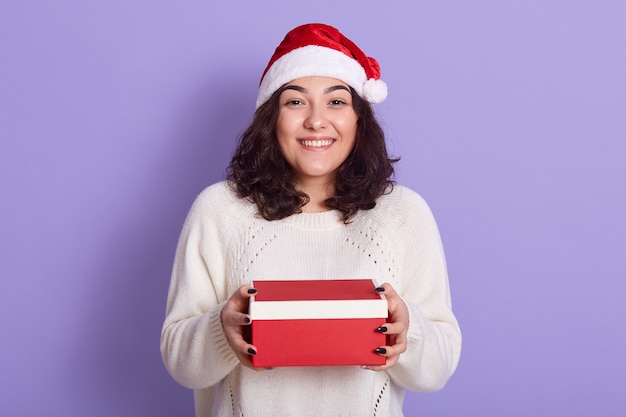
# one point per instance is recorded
(313, 60)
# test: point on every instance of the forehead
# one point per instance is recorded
(316, 82)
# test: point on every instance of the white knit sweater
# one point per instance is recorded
(224, 245)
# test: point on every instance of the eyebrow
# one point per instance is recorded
(326, 91)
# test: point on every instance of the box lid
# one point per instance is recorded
(316, 299)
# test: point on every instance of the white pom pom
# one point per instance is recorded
(374, 91)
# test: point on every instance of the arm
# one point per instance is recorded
(194, 347)
(432, 353)
(431, 334)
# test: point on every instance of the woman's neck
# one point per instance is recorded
(318, 193)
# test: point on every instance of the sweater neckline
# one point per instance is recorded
(318, 220)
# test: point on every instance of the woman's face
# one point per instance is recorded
(316, 127)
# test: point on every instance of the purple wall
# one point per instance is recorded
(510, 118)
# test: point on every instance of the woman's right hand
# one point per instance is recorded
(233, 319)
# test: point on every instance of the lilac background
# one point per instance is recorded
(510, 119)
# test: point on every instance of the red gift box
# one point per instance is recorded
(317, 323)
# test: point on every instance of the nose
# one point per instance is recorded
(316, 118)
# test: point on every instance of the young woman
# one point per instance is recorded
(309, 195)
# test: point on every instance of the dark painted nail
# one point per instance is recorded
(251, 351)
(382, 329)
(252, 291)
(380, 289)
(246, 319)
(382, 351)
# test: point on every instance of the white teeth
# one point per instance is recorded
(317, 143)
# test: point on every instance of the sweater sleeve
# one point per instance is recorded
(434, 337)
(193, 344)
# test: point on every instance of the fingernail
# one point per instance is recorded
(382, 329)
(252, 291)
(246, 319)
(251, 351)
(380, 289)
(382, 351)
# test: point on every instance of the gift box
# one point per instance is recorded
(317, 323)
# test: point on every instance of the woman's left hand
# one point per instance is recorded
(396, 328)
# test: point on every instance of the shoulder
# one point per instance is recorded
(218, 192)
(399, 210)
(220, 201)
(402, 199)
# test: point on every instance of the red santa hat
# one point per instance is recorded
(321, 50)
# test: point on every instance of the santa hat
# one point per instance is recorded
(321, 50)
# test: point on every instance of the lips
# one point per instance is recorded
(316, 143)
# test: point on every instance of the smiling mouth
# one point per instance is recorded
(316, 143)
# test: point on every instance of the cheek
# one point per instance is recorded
(349, 129)
(281, 130)
(280, 123)
(348, 123)
(285, 126)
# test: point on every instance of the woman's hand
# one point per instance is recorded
(396, 328)
(234, 317)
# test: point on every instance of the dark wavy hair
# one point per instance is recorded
(258, 171)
